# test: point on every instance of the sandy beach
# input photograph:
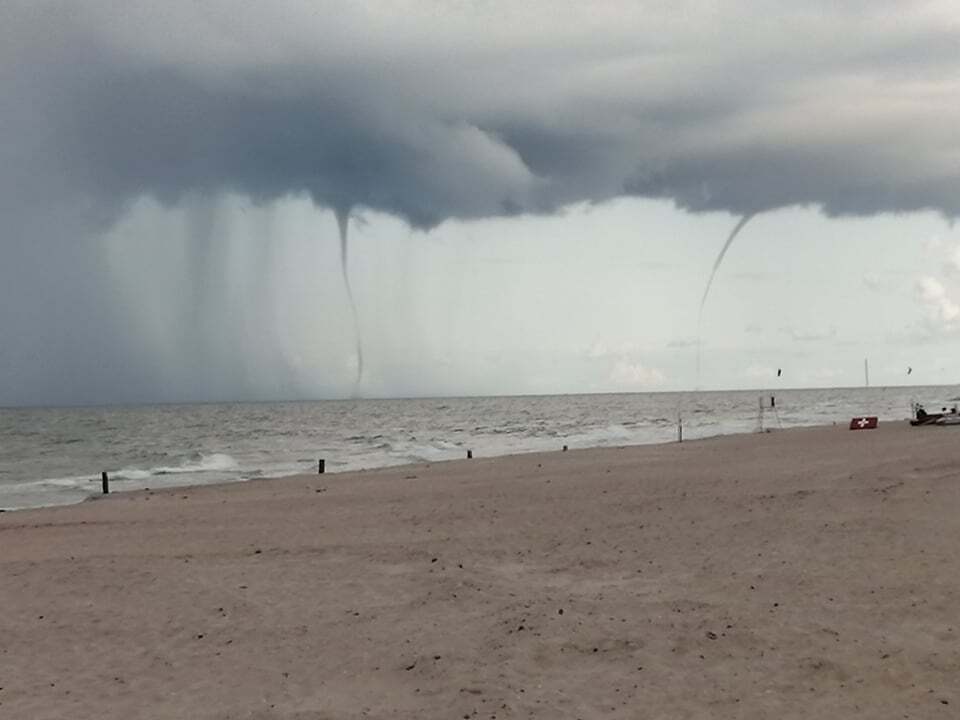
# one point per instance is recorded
(809, 573)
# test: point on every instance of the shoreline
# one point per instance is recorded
(214, 443)
(241, 480)
(807, 573)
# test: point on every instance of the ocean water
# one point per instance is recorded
(51, 456)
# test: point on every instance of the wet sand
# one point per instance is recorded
(808, 573)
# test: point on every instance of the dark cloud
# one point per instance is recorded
(430, 127)
(431, 110)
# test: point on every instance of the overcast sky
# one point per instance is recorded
(534, 195)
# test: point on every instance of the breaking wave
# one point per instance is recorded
(215, 462)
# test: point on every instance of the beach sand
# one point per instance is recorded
(809, 573)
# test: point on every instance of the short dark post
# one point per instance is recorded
(469, 454)
(773, 401)
(564, 448)
(679, 429)
(321, 466)
(105, 481)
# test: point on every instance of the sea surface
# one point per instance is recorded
(53, 456)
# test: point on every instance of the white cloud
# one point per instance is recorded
(627, 368)
(600, 350)
(946, 252)
(953, 259)
(933, 244)
(635, 374)
(940, 306)
(597, 350)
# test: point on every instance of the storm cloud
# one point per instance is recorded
(430, 110)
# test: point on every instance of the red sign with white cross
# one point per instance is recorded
(863, 423)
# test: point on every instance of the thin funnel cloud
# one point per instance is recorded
(713, 272)
(343, 225)
(723, 251)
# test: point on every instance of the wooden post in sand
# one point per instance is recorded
(105, 481)
(679, 428)
(321, 466)
(469, 454)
